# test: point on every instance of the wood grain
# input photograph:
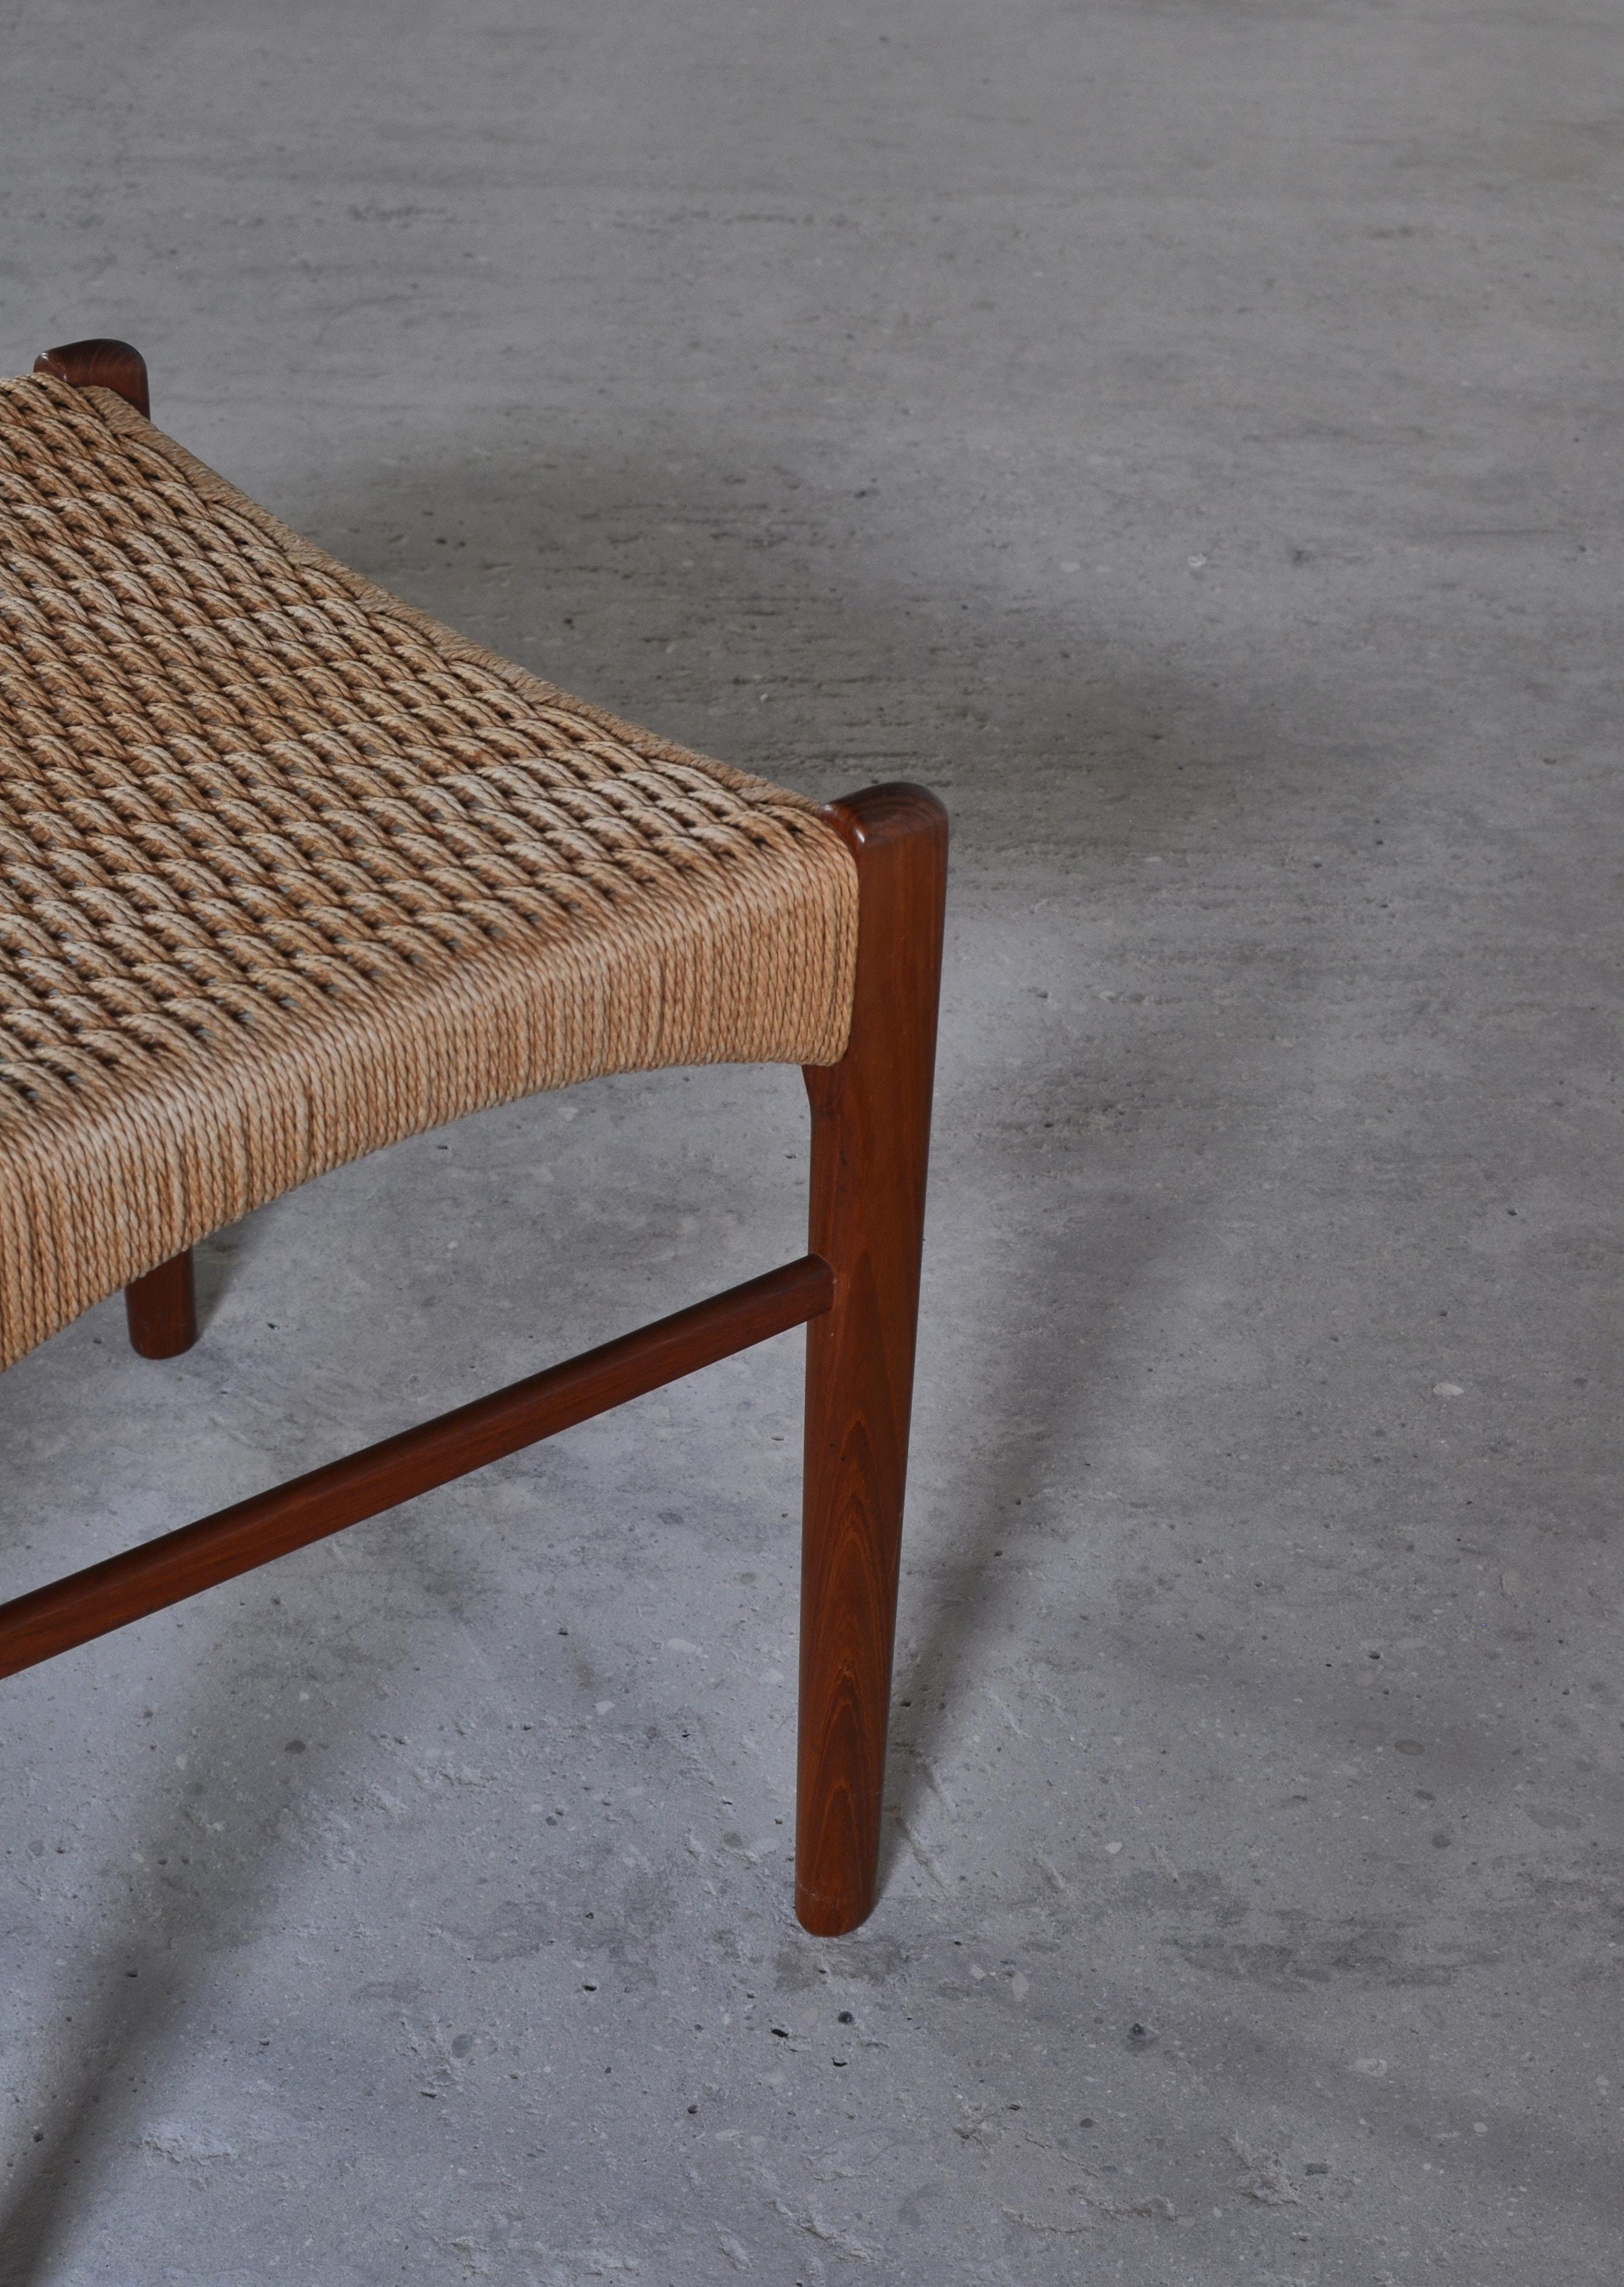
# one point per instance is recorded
(99, 364)
(290, 1516)
(870, 1136)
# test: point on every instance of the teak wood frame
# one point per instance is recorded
(856, 1291)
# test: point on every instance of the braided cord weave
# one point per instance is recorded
(288, 871)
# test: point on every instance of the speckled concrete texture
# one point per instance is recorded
(1185, 434)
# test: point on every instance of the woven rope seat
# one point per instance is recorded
(288, 871)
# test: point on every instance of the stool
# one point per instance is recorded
(288, 871)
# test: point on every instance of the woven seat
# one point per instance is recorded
(288, 871)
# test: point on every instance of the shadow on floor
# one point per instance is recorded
(988, 717)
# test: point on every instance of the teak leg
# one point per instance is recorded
(161, 1307)
(870, 1135)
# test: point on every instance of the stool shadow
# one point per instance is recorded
(125, 1992)
(645, 647)
(1025, 1385)
(128, 1989)
(845, 635)
(1017, 1433)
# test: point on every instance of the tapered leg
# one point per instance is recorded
(870, 1135)
(161, 1308)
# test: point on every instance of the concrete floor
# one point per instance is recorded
(1187, 433)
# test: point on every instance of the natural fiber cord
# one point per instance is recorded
(287, 871)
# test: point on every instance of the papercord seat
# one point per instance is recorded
(287, 871)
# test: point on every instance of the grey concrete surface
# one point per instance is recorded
(1187, 433)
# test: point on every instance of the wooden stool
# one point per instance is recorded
(288, 871)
